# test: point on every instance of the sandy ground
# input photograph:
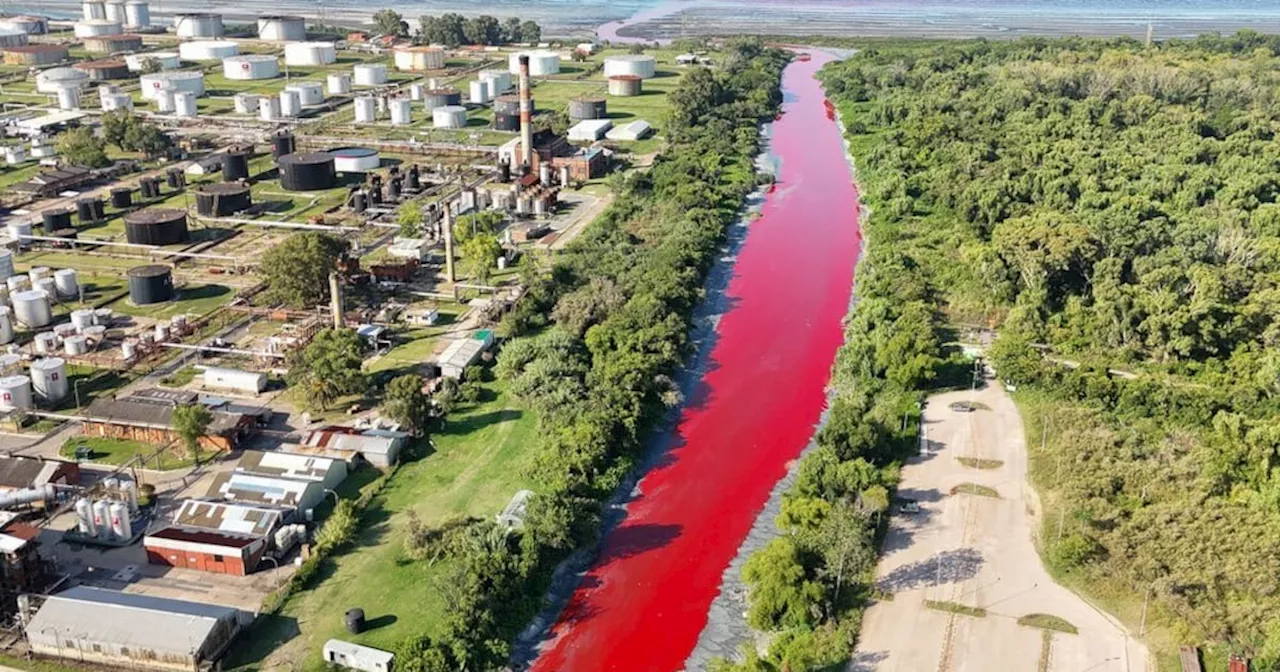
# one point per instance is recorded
(978, 551)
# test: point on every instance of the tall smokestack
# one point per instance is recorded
(448, 244)
(335, 300)
(526, 114)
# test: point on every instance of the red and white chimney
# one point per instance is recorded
(526, 115)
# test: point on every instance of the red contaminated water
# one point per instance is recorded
(643, 604)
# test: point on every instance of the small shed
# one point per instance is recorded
(357, 657)
(249, 382)
(589, 130)
(636, 130)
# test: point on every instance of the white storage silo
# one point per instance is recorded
(6, 325)
(15, 154)
(19, 281)
(269, 108)
(365, 109)
(69, 98)
(184, 104)
(97, 28)
(207, 50)
(639, 65)
(15, 393)
(370, 74)
(82, 319)
(247, 103)
(164, 100)
(290, 103)
(45, 343)
(541, 62)
(37, 273)
(499, 81)
(120, 526)
(84, 517)
(400, 111)
(47, 286)
(161, 332)
(55, 79)
(417, 91)
(115, 11)
(160, 60)
(102, 518)
(194, 25)
(449, 116)
(250, 67)
(31, 307)
(137, 14)
(337, 83)
(6, 263)
(309, 54)
(76, 345)
(15, 36)
(175, 80)
(93, 9)
(128, 348)
(20, 231)
(282, 28)
(418, 58)
(66, 282)
(117, 101)
(479, 91)
(309, 93)
(49, 379)
(129, 489)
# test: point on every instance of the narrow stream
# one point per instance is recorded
(643, 603)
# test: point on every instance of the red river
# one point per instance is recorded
(643, 604)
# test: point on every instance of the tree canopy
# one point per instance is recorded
(329, 367)
(80, 147)
(297, 270)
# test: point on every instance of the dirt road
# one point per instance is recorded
(977, 550)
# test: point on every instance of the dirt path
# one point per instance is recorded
(978, 551)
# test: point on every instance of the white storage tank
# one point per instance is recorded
(29, 24)
(640, 65)
(269, 108)
(37, 273)
(31, 307)
(163, 60)
(207, 50)
(541, 62)
(84, 517)
(20, 231)
(121, 526)
(47, 286)
(366, 109)
(290, 103)
(15, 154)
(115, 11)
(13, 36)
(76, 345)
(500, 81)
(175, 80)
(247, 103)
(251, 382)
(129, 348)
(45, 343)
(309, 53)
(82, 319)
(449, 116)
(251, 67)
(282, 28)
(418, 58)
(164, 100)
(370, 74)
(20, 281)
(184, 104)
(400, 110)
(194, 25)
(309, 93)
(49, 379)
(15, 393)
(6, 325)
(337, 83)
(10, 364)
(97, 28)
(416, 91)
(137, 14)
(102, 518)
(69, 98)
(479, 91)
(117, 101)
(93, 10)
(6, 263)
(56, 79)
(66, 282)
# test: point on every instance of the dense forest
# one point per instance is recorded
(1111, 209)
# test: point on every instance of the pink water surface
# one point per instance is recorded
(644, 602)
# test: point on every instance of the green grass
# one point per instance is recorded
(980, 463)
(975, 489)
(193, 299)
(180, 378)
(119, 451)
(476, 467)
(1048, 622)
(956, 608)
(38, 665)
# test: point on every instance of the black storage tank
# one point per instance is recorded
(393, 190)
(175, 177)
(156, 226)
(588, 107)
(354, 619)
(150, 284)
(359, 202)
(150, 187)
(505, 121)
(89, 210)
(307, 172)
(235, 165)
(504, 172)
(375, 195)
(56, 218)
(222, 199)
(121, 197)
(282, 145)
(412, 183)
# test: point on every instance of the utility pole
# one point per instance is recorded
(448, 244)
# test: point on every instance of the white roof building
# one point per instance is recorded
(458, 355)
(636, 130)
(589, 130)
(357, 657)
(228, 517)
(379, 447)
(326, 471)
(293, 493)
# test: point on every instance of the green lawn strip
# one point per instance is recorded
(956, 608)
(116, 452)
(975, 489)
(193, 299)
(980, 463)
(180, 378)
(1048, 622)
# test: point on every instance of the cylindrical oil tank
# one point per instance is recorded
(107, 44)
(175, 178)
(309, 93)
(290, 103)
(366, 109)
(401, 110)
(194, 25)
(511, 104)
(93, 9)
(104, 70)
(77, 344)
(283, 143)
(84, 516)
(55, 79)
(588, 107)
(173, 80)
(66, 282)
(115, 10)
(6, 268)
(19, 231)
(307, 171)
(246, 103)
(625, 85)
(418, 58)
(449, 116)
(643, 66)
(207, 50)
(156, 226)
(27, 23)
(433, 98)
(15, 393)
(6, 325)
(500, 81)
(82, 319)
(184, 104)
(337, 83)
(479, 91)
(13, 36)
(370, 74)
(137, 14)
(269, 108)
(55, 218)
(47, 286)
(541, 62)
(235, 165)
(45, 343)
(153, 60)
(38, 273)
(49, 379)
(222, 199)
(31, 307)
(68, 99)
(150, 284)
(309, 54)
(17, 283)
(354, 618)
(97, 27)
(102, 518)
(355, 159)
(120, 524)
(35, 54)
(87, 209)
(505, 121)
(121, 197)
(277, 28)
(251, 67)
(359, 202)
(117, 101)
(164, 104)
(393, 190)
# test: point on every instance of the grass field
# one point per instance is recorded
(476, 467)
(118, 451)
(193, 299)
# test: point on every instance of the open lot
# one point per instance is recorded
(973, 558)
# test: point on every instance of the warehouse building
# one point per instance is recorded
(129, 630)
(325, 471)
(636, 130)
(147, 416)
(216, 537)
(272, 491)
(22, 570)
(379, 447)
(20, 472)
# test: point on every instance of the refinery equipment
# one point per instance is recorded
(93, 10)
(137, 14)
(6, 325)
(269, 108)
(55, 79)
(246, 103)
(309, 93)
(235, 164)
(12, 36)
(104, 70)
(588, 107)
(400, 111)
(365, 109)
(68, 99)
(307, 171)
(500, 81)
(222, 199)
(29, 24)
(36, 54)
(418, 58)
(96, 28)
(337, 83)
(15, 393)
(541, 62)
(184, 104)
(441, 97)
(290, 103)
(449, 116)
(355, 159)
(156, 226)
(108, 44)
(31, 307)
(115, 10)
(625, 85)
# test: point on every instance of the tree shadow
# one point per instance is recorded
(477, 422)
(268, 633)
(628, 541)
(867, 661)
(203, 292)
(952, 566)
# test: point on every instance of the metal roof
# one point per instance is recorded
(286, 464)
(351, 438)
(273, 490)
(227, 517)
(127, 619)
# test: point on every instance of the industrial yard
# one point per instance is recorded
(135, 294)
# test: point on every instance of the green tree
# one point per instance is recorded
(511, 29)
(530, 32)
(486, 222)
(147, 139)
(297, 270)
(329, 367)
(389, 22)
(779, 591)
(406, 404)
(80, 147)
(483, 29)
(410, 218)
(447, 30)
(190, 423)
(481, 253)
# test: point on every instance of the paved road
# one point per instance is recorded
(978, 551)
